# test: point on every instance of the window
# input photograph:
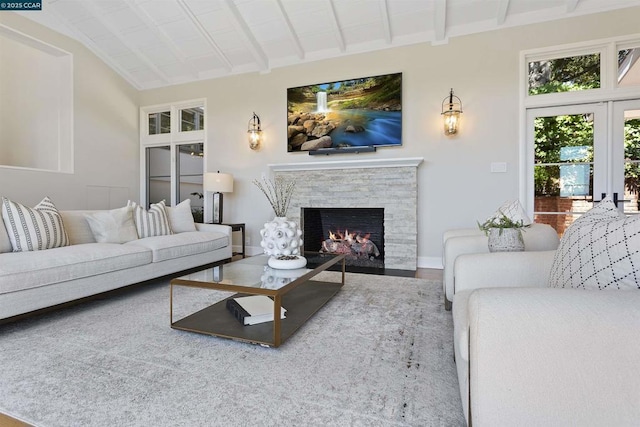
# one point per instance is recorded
(172, 140)
(564, 74)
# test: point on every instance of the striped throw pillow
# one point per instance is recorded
(152, 222)
(34, 229)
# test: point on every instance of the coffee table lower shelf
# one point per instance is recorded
(301, 303)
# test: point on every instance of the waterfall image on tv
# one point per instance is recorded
(360, 112)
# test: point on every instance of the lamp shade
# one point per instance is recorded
(218, 182)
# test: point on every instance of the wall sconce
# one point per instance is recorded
(451, 110)
(255, 132)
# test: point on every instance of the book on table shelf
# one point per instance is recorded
(253, 309)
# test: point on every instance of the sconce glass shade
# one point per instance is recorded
(255, 132)
(451, 111)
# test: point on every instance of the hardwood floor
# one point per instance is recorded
(429, 273)
(6, 421)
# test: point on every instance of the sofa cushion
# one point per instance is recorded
(180, 217)
(152, 222)
(600, 250)
(25, 270)
(113, 226)
(182, 244)
(33, 229)
(77, 226)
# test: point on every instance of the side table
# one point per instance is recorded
(238, 227)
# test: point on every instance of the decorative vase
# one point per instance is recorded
(505, 240)
(281, 240)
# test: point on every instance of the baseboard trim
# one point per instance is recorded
(430, 262)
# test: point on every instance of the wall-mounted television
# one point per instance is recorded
(362, 112)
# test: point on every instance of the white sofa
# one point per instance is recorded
(33, 280)
(537, 237)
(529, 355)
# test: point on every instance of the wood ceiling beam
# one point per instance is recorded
(100, 17)
(386, 24)
(204, 33)
(162, 35)
(240, 24)
(503, 8)
(440, 20)
(72, 29)
(333, 18)
(292, 34)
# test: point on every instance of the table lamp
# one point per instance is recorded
(217, 183)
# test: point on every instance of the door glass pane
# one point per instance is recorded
(190, 168)
(158, 174)
(628, 67)
(631, 160)
(191, 119)
(564, 74)
(159, 123)
(563, 168)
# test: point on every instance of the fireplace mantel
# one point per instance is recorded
(348, 164)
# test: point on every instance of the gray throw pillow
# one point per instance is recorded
(114, 226)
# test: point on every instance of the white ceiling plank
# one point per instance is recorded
(243, 28)
(166, 40)
(97, 14)
(203, 31)
(571, 5)
(440, 19)
(294, 37)
(386, 25)
(95, 49)
(333, 18)
(503, 8)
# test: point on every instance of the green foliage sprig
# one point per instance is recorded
(500, 221)
(278, 192)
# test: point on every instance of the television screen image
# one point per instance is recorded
(363, 112)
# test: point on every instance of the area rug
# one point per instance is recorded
(378, 354)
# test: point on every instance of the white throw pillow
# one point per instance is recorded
(180, 217)
(114, 226)
(153, 222)
(513, 210)
(600, 250)
(33, 229)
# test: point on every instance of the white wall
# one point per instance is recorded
(106, 148)
(455, 186)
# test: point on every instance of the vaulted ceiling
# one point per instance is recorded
(154, 43)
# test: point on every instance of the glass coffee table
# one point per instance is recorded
(294, 290)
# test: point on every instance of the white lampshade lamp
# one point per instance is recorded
(217, 183)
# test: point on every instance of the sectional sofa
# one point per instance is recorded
(37, 279)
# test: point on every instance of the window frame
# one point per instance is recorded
(609, 91)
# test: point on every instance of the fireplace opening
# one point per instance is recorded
(357, 233)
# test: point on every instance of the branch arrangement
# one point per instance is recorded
(278, 192)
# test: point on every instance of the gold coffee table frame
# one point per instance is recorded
(301, 297)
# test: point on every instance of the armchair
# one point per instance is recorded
(537, 237)
(531, 355)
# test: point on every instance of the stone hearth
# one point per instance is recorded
(384, 183)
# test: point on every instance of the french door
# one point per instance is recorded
(577, 153)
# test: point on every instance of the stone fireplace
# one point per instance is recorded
(387, 184)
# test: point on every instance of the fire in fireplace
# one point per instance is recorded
(356, 232)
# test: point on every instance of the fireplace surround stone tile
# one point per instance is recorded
(392, 186)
